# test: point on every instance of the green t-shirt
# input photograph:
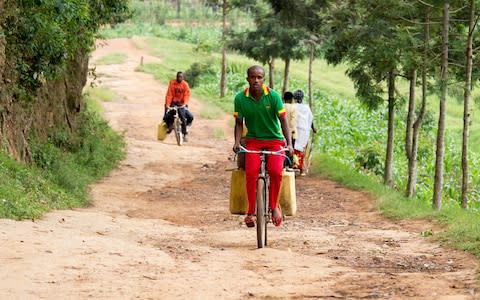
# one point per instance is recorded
(261, 117)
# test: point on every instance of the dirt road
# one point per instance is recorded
(160, 228)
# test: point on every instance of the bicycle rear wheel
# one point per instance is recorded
(178, 131)
(261, 215)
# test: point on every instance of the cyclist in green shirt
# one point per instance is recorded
(262, 111)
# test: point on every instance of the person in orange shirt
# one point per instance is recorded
(178, 94)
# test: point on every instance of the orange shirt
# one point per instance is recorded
(177, 93)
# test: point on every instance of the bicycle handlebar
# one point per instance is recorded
(279, 152)
(173, 107)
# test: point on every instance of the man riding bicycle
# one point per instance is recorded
(263, 112)
(178, 94)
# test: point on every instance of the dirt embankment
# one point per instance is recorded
(159, 227)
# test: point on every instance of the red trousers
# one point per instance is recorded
(301, 159)
(274, 169)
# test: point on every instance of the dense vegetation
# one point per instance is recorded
(62, 168)
(43, 36)
(41, 39)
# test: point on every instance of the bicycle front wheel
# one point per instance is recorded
(178, 131)
(261, 216)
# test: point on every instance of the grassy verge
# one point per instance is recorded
(63, 166)
(461, 227)
(112, 59)
(94, 96)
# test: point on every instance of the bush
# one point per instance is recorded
(197, 70)
(74, 159)
(369, 159)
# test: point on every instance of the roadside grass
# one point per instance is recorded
(112, 59)
(93, 96)
(62, 168)
(461, 228)
(25, 193)
(210, 111)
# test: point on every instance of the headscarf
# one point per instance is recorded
(298, 96)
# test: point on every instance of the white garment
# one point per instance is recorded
(304, 123)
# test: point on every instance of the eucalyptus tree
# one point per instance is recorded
(459, 22)
(307, 17)
(440, 150)
(413, 123)
(289, 49)
(418, 29)
(227, 6)
(472, 22)
(259, 45)
(270, 40)
(445, 57)
(365, 35)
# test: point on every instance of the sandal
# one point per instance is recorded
(249, 221)
(277, 216)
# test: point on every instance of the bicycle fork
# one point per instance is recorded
(266, 195)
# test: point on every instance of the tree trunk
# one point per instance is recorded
(466, 104)
(440, 151)
(285, 76)
(412, 161)
(223, 74)
(388, 176)
(410, 114)
(271, 71)
(310, 68)
(179, 7)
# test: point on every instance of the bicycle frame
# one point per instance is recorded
(263, 211)
(263, 207)
(177, 123)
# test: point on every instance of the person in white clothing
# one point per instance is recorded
(304, 124)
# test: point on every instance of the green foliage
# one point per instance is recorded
(198, 72)
(463, 229)
(93, 96)
(354, 135)
(44, 36)
(154, 12)
(25, 193)
(269, 40)
(369, 159)
(205, 46)
(74, 159)
(62, 168)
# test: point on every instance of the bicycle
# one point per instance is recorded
(263, 211)
(177, 124)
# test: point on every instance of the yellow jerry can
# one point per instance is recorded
(287, 197)
(161, 131)
(238, 193)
